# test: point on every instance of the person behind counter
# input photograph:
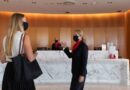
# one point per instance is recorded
(56, 45)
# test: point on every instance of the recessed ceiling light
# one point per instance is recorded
(119, 11)
(59, 3)
(67, 12)
(109, 2)
(68, 3)
(85, 3)
(34, 2)
(65, 3)
(6, 0)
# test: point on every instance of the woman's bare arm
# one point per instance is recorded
(28, 49)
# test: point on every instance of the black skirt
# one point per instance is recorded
(10, 84)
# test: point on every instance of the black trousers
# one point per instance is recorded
(75, 84)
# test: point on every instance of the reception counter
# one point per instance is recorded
(56, 67)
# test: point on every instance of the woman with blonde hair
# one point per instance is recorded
(12, 45)
(79, 57)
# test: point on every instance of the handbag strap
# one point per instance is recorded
(21, 44)
(22, 51)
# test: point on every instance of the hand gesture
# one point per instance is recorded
(3, 61)
(81, 79)
(63, 44)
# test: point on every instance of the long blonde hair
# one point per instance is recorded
(14, 25)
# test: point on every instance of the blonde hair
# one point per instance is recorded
(79, 32)
(14, 25)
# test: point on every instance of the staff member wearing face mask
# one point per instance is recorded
(79, 57)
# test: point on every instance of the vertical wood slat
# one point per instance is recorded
(98, 29)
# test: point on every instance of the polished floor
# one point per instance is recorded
(87, 87)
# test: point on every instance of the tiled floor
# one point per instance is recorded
(87, 87)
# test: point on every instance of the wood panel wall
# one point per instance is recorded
(127, 23)
(97, 28)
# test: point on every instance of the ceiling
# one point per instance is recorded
(65, 6)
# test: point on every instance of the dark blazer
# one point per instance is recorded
(79, 59)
